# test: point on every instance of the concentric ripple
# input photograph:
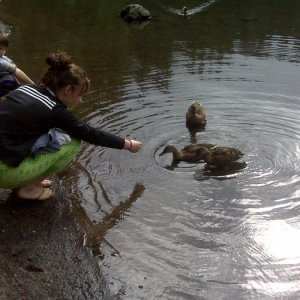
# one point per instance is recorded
(203, 209)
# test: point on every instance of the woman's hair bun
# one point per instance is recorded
(59, 61)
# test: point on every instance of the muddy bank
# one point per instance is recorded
(41, 252)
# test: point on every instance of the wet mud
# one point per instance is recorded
(41, 252)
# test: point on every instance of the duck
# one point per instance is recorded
(195, 115)
(189, 153)
(219, 156)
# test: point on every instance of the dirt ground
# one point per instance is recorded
(42, 254)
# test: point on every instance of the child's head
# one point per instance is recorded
(3, 43)
(3, 39)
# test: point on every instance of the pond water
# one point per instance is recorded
(166, 231)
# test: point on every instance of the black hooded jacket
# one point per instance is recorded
(29, 112)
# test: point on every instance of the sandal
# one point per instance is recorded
(44, 194)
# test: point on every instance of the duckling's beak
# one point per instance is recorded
(193, 109)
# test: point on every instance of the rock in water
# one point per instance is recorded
(135, 12)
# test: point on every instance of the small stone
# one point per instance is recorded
(33, 268)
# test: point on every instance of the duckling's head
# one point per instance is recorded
(168, 149)
(185, 11)
(195, 107)
(195, 115)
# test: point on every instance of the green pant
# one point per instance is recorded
(31, 169)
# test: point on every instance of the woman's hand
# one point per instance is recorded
(132, 145)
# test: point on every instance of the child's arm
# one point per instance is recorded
(6, 65)
(21, 76)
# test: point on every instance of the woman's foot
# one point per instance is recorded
(36, 193)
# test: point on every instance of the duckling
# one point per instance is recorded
(219, 156)
(195, 115)
(189, 153)
(185, 11)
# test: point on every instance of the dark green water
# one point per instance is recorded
(183, 232)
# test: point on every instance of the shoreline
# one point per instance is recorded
(42, 254)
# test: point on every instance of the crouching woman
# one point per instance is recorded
(39, 135)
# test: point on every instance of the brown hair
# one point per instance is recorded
(63, 72)
(3, 39)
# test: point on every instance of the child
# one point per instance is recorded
(30, 112)
(10, 75)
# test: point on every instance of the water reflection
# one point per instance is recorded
(230, 171)
(95, 232)
(280, 240)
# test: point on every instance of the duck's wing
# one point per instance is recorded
(226, 150)
(209, 146)
(225, 155)
(190, 148)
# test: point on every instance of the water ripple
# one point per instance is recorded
(210, 218)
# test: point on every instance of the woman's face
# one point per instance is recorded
(71, 95)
